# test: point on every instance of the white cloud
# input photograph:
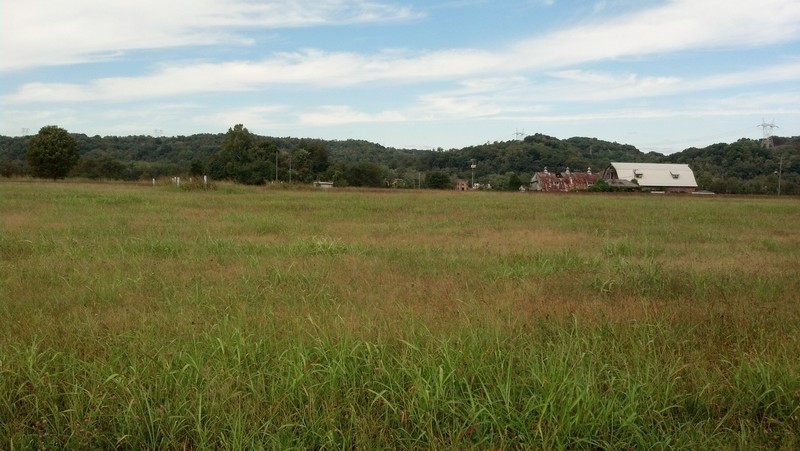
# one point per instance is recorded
(426, 108)
(53, 32)
(311, 68)
(587, 86)
(342, 114)
(675, 26)
(320, 69)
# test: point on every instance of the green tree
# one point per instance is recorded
(364, 174)
(317, 154)
(601, 187)
(242, 158)
(300, 165)
(439, 180)
(12, 168)
(514, 182)
(52, 153)
(197, 167)
(96, 167)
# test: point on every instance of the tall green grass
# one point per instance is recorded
(235, 318)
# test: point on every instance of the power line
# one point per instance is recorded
(768, 129)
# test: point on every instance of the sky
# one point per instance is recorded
(661, 75)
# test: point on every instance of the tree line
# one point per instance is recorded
(742, 167)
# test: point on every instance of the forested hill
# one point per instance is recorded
(147, 156)
(740, 167)
(537, 152)
(745, 167)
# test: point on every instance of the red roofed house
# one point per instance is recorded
(563, 181)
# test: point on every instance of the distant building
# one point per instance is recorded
(461, 185)
(323, 185)
(675, 178)
(563, 181)
(395, 183)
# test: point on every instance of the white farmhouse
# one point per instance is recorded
(652, 176)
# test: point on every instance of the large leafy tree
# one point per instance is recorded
(243, 158)
(52, 153)
(317, 154)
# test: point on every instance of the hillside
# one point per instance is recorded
(745, 167)
(740, 167)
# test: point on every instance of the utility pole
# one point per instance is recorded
(472, 166)
(780, 174)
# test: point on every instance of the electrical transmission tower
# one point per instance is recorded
(518, 135)
(766, 141)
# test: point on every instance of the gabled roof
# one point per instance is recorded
(563, 181)
(656, 174)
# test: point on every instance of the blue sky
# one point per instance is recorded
(660, 75)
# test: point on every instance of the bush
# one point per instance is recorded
(439, 180)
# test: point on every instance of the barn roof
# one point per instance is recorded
(563, 181)
(656, 174)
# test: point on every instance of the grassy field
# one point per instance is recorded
(139, 317)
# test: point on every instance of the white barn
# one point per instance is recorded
(652, 176)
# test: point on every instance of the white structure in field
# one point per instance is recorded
(651, 176)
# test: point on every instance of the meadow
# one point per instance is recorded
(142, 317)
